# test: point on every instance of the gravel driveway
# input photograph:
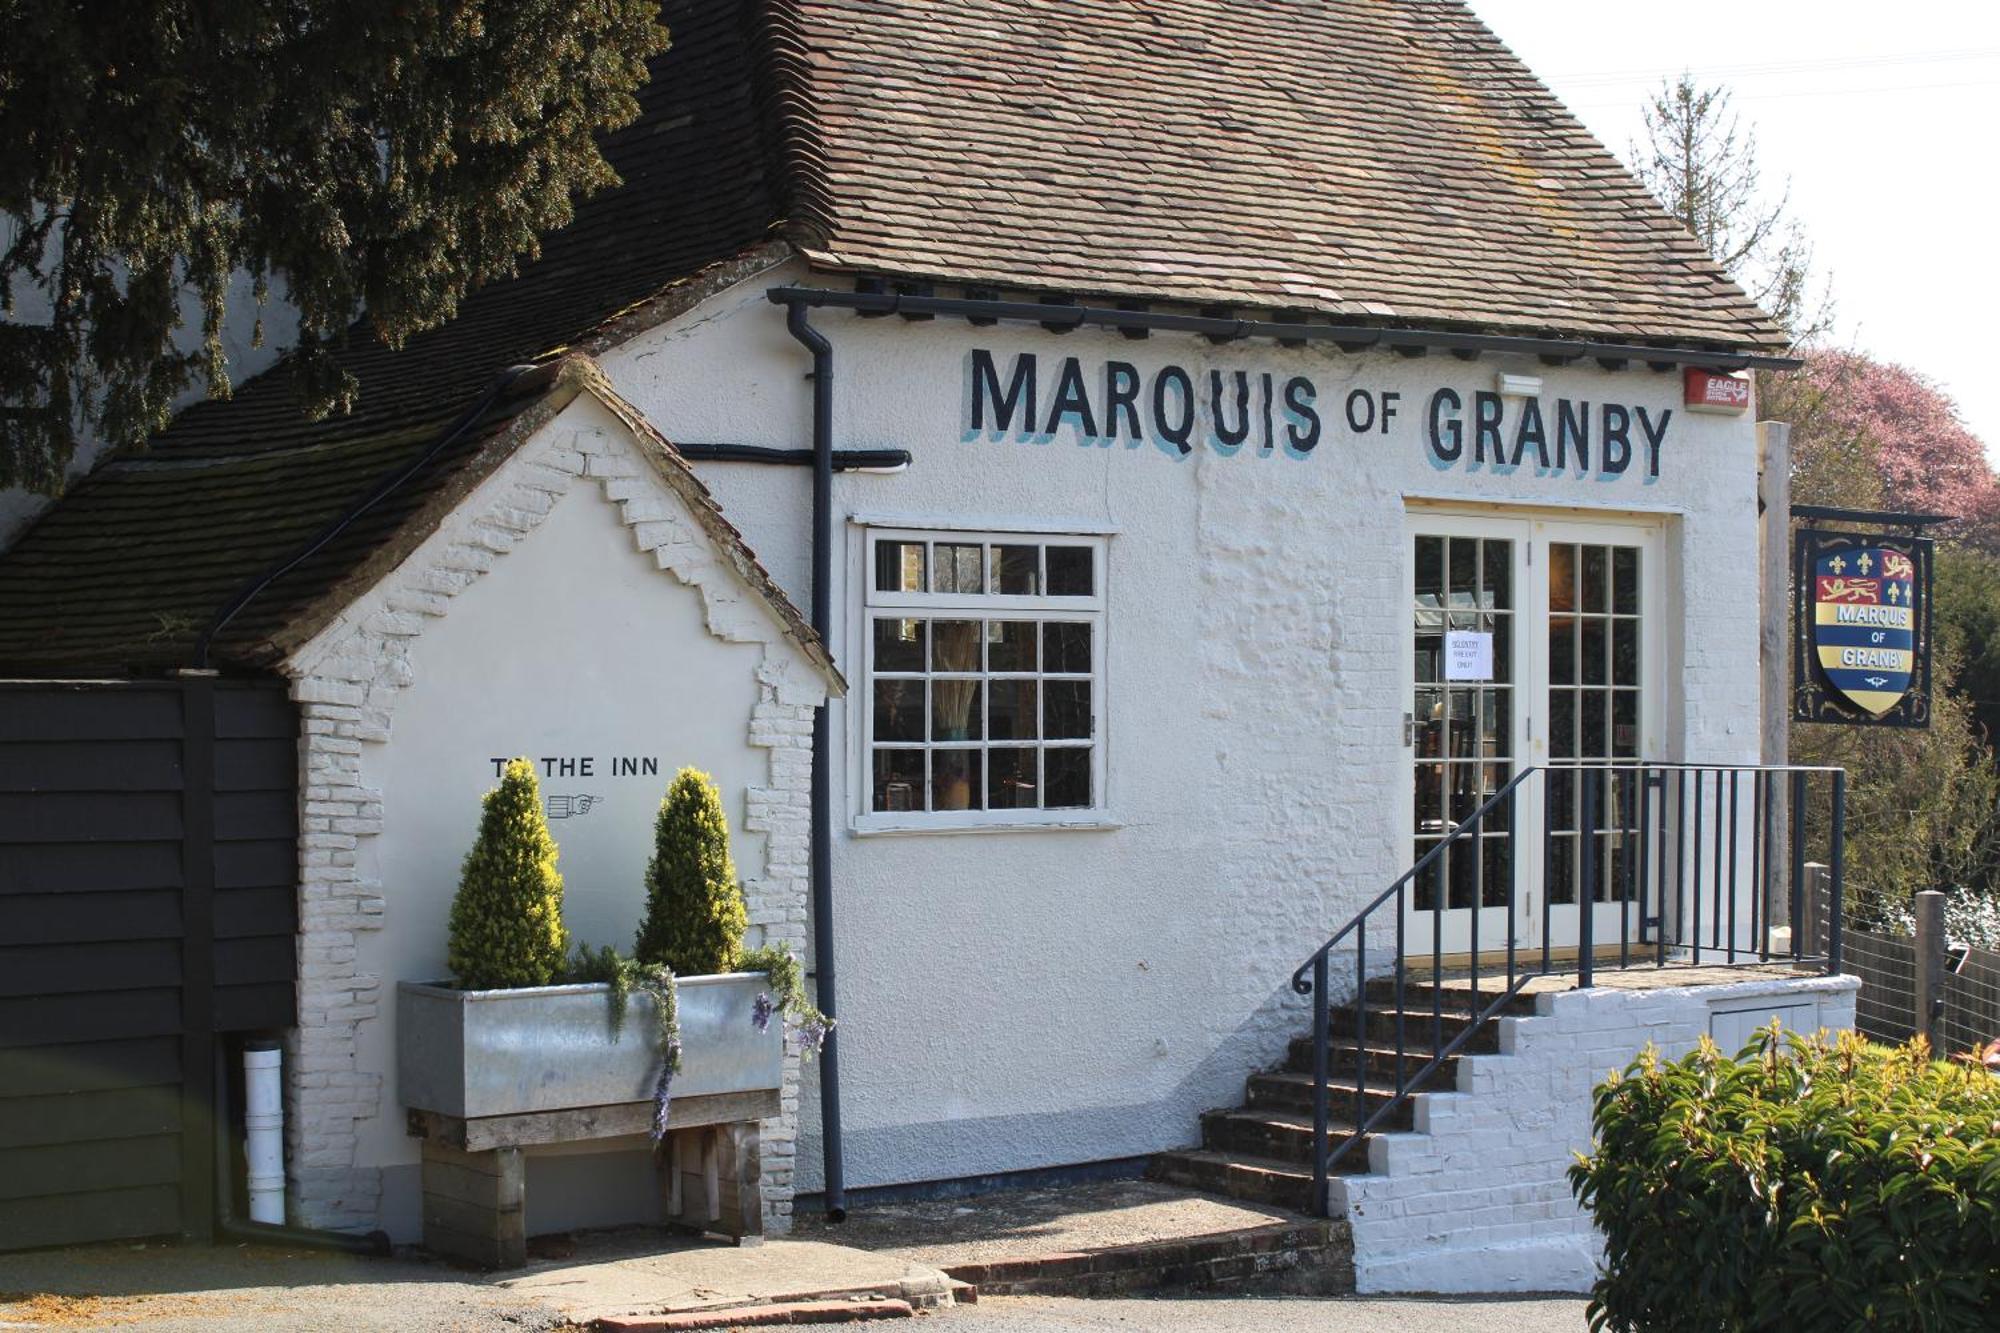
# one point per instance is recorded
(248, 1289)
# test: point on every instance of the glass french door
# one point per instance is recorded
(1466, 727)
(1531, 642)
(1602, 688)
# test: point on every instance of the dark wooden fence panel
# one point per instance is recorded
(1885, 1007)
(1885, 1010)
(57, 867)
(115, 1214)
(255, 855)
(148, 904)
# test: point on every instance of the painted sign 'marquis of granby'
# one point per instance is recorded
(1229, 411)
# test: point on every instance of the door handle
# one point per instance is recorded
(1409, 731)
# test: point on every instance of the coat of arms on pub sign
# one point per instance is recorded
(1863, 629)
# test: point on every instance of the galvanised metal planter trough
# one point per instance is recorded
(475, 1054)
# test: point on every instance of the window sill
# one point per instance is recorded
(1085, 821)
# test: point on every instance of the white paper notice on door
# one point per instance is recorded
(1468, 655)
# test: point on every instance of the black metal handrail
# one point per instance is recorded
(1637, 832)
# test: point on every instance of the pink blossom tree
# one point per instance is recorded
(1898, 430)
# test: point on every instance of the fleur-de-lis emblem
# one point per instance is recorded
(1862, 647)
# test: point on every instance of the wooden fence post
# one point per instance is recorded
(1774, 534)
(1929, 990)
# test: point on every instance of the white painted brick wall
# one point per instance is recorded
(347, 683)
(1256, 781)
(1477, 1198)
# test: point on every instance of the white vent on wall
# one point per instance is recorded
(1732, 1029)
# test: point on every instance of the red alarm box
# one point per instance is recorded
(1713, 391)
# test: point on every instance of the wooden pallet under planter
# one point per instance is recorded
(487, 1074)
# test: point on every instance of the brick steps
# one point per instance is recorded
(1277, 1136)
(1379, 1061)
(1305, 1257)
(1420, 1034)
(1285, 1090)
(1455, 996)
(1262, 1151)
(1243, 1176)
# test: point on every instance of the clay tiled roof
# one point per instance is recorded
(1378, 160)
(1375, 161)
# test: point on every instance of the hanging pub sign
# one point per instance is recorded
(1863, 628)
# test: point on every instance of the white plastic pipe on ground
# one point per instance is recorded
(264, 1131)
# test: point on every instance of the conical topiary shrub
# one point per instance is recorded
(695, 914)
(506, 919)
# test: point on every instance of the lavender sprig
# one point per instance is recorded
(663, 1088)
(786, 997)
(812, 1034)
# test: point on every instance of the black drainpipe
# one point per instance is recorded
(844, 460)
(797, 320)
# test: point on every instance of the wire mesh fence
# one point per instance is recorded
(1965, 1008)
(1885, 1010)
(1970, 1015)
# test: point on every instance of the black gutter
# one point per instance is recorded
(1350, 338)
(374, 1244)
(844, 460)
(797, 320)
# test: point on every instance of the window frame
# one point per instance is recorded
(1042, 608)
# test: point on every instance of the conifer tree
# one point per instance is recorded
(695, 914)
(374, 159)
(506, 919)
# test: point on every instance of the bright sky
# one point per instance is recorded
(1885, 118)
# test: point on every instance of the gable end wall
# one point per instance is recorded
(348, 682)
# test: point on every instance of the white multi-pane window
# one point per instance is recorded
(984, 687)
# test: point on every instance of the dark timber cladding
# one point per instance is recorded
(148, 882)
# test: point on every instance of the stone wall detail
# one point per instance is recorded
(347, 681)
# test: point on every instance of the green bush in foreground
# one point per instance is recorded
(506, 918)
(1804, 1185)
(695, 914)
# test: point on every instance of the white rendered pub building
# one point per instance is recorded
(1103, 489)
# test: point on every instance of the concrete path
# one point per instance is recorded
(1022, 1224)
(248, 1289)
(885, 1254)
(643, 1271)
(1281, 1314)
(890, 1252)
(228, 1289)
